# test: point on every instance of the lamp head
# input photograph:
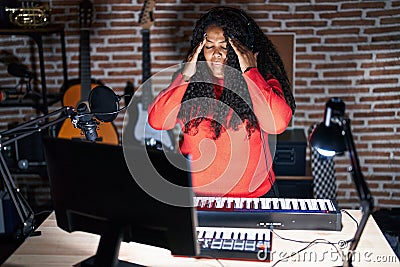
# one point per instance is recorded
(328, 137)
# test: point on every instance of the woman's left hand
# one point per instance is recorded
(247, 59)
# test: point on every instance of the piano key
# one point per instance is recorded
(330, 205)
(250, 245)
(251, 235)
(284, 203)
(239, 244)
(302, 204)
(275, 203)
(216, 244)
(294, 204)
(209, 234)
(229, 203)
(220, 203)
(314, 204)
(228, 244)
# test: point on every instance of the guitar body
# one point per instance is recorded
(78, 90)
(147, 135)
(107, 132)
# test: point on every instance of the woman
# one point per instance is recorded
(230, 94)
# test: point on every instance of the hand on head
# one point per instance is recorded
(190, 67)
(247, 59)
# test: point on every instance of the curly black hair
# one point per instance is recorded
(199, 101)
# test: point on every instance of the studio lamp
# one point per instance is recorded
(333, 137)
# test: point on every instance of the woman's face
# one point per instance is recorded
(215, 50)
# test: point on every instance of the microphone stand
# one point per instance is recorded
(25, 213)
(361, 186)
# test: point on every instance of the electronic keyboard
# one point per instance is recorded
(234, 243)
(276, 213)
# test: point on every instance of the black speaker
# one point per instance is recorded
(290, 154)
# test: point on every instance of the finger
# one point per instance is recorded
(233, 44)
(195, 52)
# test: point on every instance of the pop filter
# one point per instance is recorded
(103, 102)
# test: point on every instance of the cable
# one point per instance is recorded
(339, 249)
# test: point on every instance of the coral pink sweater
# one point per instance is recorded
(233, 165)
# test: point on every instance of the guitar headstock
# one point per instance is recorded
(146, 18)
(85, 13)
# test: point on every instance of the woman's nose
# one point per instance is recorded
(217, 52)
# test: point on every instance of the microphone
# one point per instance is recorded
(104, 106)
(104, 103)
(86, 122)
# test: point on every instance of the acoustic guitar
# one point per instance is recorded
(78, 90)
(143, 132)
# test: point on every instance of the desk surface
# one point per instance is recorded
(56, 247)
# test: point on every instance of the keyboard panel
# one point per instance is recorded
(234, 243)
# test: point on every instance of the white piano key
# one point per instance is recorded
(220, 202)
(229, 203)
(263, 203)
(275, 203)
(250, 245)
(294, 203)
(216, 244)
(256, 203)
(330, 205)
(235, 235)
(312, 204)
(321, 204)
(268, 203)
(209, 234)
(302, 204)
(247, 203)
(238, 203)
(251, 235)
(228, 244)
(284, 203)
(200, 233)
(226, 234)
(239, 245)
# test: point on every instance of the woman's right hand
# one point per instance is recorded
(190, 66)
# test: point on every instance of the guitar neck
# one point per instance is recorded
(85, 72)
(147, 94)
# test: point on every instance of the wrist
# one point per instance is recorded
(186, 78)
(248, 68)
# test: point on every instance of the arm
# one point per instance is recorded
(164, 109)
(269, 104)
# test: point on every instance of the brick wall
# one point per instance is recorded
(349, 49)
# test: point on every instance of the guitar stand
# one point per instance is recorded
(24, 211)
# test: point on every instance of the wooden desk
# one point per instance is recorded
(56, 247)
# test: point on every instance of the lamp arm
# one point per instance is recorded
(361, 186)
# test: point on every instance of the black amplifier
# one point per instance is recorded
(290, 153)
